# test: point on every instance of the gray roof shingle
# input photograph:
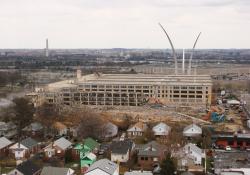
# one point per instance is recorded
(4, 142)
(28, 168)
(63, 143)
(54, 171)
(105, 165)
(151, 149)
(121, 147)
(29, 142)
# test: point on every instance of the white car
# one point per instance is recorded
(228, 148)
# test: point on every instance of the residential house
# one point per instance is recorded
(60, 129)
(26, 168)
(57, 171)
(139, 173)
(150, 154)
(25, 149)
(137, 129)
(4, 146)
(8, 130)
(192, 131)
(110, 130)
(189, 158)
(161, 129)
(57, 148)
(34, 128)
(121, 150)
(74, 130)
(89, 145)
(87, 159)
(103, 167)
(194, 152)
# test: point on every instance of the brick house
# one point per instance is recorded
(235, 141)
(4, 146)
(150, 154)
(57, 148)
(25, 149)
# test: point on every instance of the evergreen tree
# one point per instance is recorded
(168, 166)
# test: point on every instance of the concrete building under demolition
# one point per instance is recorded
(129, 90)
(132, 89)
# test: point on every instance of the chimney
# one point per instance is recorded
(78, 74)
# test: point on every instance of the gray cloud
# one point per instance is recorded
(119, 23)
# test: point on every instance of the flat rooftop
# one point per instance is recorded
(144, 79)
(134, 79)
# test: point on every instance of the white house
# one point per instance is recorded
(120, 150)
(161, 129)
(60, 128)
(193, 152)
(137, 129)
(57, 171)
(25, 148)
(103, 167)
(192, 131)
(58, 147)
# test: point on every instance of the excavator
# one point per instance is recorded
(215, 114)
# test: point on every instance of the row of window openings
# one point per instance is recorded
(137, 87)
(147, 91)
(174, 96)
(147, 158)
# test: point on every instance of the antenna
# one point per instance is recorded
(173, 50)
(47, 48)
(191, 56)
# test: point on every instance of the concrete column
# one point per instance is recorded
(112, 99)
(120, 99)
(104, 97)
(136, 100)
(96, 100)
(88, 98)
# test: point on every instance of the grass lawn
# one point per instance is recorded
(5, 170)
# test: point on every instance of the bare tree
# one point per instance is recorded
(91, 125)
(47, 114)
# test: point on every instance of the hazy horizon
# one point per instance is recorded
(93, 24)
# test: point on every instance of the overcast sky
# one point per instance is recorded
(124, 23)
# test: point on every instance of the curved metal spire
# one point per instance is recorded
(173, 50)
(191, 56)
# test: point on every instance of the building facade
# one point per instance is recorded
(129, 90)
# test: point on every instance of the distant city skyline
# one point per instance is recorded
(224, 24)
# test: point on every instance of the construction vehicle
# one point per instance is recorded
(215, 114)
